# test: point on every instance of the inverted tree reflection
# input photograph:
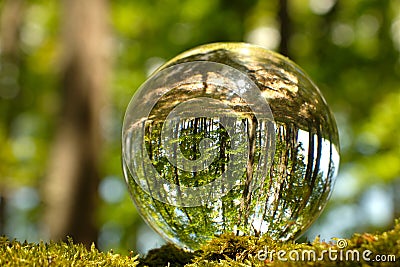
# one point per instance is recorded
(278, 194)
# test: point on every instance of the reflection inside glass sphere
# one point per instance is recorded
(229, 137)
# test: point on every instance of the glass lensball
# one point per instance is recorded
(229, 137)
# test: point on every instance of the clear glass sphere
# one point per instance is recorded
(229, 137)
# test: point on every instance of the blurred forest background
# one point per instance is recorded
(69, 68)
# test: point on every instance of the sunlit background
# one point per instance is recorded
(351, 49)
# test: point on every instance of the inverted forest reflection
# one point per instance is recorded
(285, 171)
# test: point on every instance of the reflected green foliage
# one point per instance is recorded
(278, 194)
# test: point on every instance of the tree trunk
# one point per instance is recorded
(284, 20)
(11, 18)
(70, 189)
(396, 198)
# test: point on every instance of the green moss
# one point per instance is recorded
(225, 250)
(230, 250)
(14, 253)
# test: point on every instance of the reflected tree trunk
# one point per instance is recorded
(251, 124)
(70, 190)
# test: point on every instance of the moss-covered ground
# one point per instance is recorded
(380, 249)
